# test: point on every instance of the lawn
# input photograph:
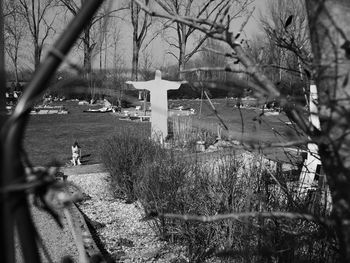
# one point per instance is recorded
(49, 137)
(244, 124)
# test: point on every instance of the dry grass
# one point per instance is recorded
(228, 208)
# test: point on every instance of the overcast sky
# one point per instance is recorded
(158, 48)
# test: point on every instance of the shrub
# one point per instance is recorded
(123, 155)
(166, 182)
(172, 184)
(223, 185)
(159, 187)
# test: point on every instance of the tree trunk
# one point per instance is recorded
(135, 60)
(15, 62)
(87, 60)
(182, 54)
(87, 51)
(16, 74)
(329, 27)
(181, 68)
(37, 55)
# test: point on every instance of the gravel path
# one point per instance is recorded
(126, 237)
(59, 242)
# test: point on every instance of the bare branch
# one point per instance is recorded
(231, 55)
(227, 69)
(190, 21)
(171, 53)
(240, 216)
(246, 21)
(196, 48)
(108, 14)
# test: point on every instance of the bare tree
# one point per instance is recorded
(281, 66)
(117, 74)
(88, 45)
(286, 28)
(140, 22)
(200, 10)
(39, 23)
(14, 33)
(330, 68)
(89, 42)
(207, 58)
(147, 65)
(94, 41)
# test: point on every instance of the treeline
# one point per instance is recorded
(102, 65)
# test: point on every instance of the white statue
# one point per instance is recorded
(159, 102)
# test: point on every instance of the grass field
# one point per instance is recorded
(49, 137)
(246, 126)
(242, 124)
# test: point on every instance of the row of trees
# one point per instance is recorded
(31, 24)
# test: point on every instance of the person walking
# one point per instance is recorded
(76, 154)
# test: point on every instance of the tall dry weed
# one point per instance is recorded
(123, 154)
(230, 184)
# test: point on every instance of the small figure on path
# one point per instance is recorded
(76, 153)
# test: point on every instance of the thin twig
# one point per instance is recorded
(283, 187)
(244, 215)
(215, 111)
(246, 20)
(227, 69)
(226, 54)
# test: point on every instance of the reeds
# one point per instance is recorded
(187, 131)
